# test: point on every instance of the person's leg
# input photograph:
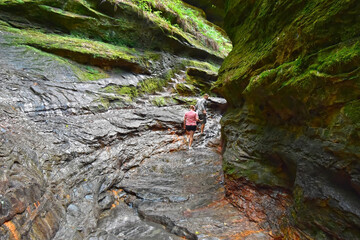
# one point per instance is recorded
(191, 138)
(187, 135)
(203, 121)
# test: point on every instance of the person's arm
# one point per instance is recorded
(203, 107)
(185, 121)
(197, 118)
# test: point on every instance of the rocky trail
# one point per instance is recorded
(71, 169)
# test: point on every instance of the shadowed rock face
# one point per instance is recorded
(293, 85)
(214, 10)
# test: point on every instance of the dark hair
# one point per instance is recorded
(192, 107)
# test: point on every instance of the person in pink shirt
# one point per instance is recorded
(190, 121)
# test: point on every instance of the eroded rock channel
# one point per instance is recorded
(72, 169)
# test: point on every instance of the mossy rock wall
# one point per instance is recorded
(293, 84)
(120, 23)
(214, 10)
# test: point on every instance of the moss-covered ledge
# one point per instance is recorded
(83, 50)
(130, 23)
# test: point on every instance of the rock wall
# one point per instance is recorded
(293, 84)
(214, 10)
(76, 117)
(122, 23)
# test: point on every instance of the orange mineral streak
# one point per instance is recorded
(171, 132)
(11, 226)
(177, 138)
(238, 220)
(115, 193)
(28, 209)
(37, 204)
(216, 204)
(291, 233)
(244, 234)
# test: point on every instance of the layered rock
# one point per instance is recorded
(76, 119)
(293, 83)
(122, 23)
(67, 146)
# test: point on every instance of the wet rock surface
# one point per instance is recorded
(72, 168)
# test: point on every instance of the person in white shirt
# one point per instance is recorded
(201, 111)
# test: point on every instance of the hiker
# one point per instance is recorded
(190, 121)
(201, 111)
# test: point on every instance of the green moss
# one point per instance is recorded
(11, 2)
(89, 73)
(264, 41)
(185, 89)
(165, 25)
(341, 60)
(105, 104)
(200, 79)
(94, 48)
(333, 69)
(159, 101)
(152, 85)
(81, 7)
(261, 80)
(261, 172)
(84, 51)
(129, 91)
(179, 17)
(352, 111)
(84, 73)
(4, 24)
(207, 66)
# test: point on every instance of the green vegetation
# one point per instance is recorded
(184, 89)
(73, 44)
(129, 91)
(99, 36)
(185, 100)
(261, 171)
(151, 85)
(82, 50)
(159, 101)
(89, 73)
(352, 112)
(84, 73)
(334, 67)
(188, 19)
(207, 66)
(169, 25)
(297, 77)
